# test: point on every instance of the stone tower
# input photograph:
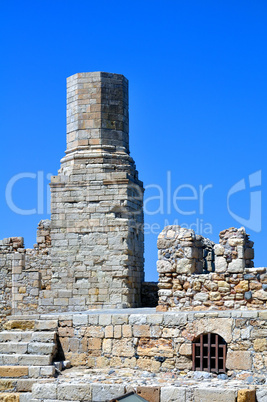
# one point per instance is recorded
(97, 201)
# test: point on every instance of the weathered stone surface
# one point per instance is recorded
(23, 325)
(13, 371)
(220, 264)
(173, 394)
(44, 391)
(222, 327)
(246, 395)
(11, 397)
(261, 295)
(242, 287)
(261, 395)
(214, 296)
(164, 267)
(150, 394)
(185, 349)
(74, 392)
(236, 266)
(123, 347)
(260, 345)
(214, 395)
(106, 392)
(155, 347)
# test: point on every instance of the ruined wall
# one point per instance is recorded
(8, 247)
(195, 273)
(25, 272)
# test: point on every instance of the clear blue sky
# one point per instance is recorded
(198, 98)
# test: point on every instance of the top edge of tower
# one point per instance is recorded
(97, 75)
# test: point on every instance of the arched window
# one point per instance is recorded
(209, 353)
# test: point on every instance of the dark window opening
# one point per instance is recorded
(209, 353)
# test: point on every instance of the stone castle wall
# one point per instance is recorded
(195, 273)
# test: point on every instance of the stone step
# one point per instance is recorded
(35, 348)
(31, 325)
(27, 336)
(27, 371)
(15, 336)
(21, 385)
(25, 360)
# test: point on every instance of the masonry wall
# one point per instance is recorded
(160, 341)
(8, 247)
(195, 273)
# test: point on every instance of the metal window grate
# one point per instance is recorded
(209, 353)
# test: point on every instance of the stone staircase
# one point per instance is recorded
(27, 350)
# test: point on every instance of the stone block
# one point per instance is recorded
(65, 331)
(220, 264)
(155, 347)
(109, 332)
(6, 385)
(242, 287)
(94, 343)
(138, 319)
(218, 249)
(80, 319)
(173, 394)
(186, 349)
(236, 266)
(14, 371)
(185, 266)
(105, 319)
(260, 345)
(23, 325)
(222, 327)
(74, 392)
(120, 319)
(47, 371)
(246, 395)
(214, 395)
(127, 331)
(95, 331)
(123, 348)
(260, 294)
(261, 395)
(44, 391)
(239, 360)
(46, 325)
(11, 397)
(175, 319)
(150, 394)
(39, 348)
(141, 330)
(154, 319)
(183, 363)
(106, 392)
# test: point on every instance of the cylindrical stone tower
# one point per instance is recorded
(97, 201)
